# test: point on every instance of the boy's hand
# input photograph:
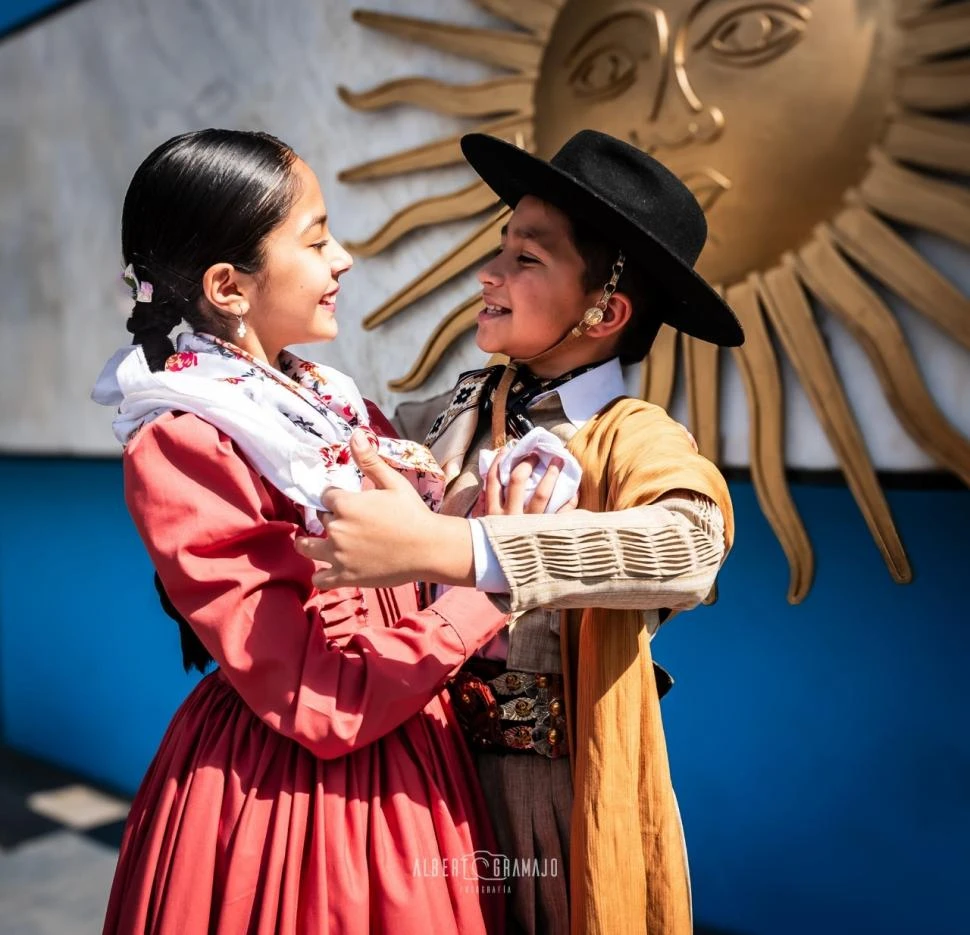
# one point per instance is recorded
(386, 536)
(512, 501)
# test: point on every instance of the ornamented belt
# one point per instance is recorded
(505, 711)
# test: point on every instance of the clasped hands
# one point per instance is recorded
(385, 535)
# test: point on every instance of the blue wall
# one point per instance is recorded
(821, 752)
(90, 668)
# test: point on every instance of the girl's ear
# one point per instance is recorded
(227, 290)
(220, 286)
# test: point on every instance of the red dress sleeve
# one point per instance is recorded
(222, 543)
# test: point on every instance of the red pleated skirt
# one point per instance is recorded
(237, 829)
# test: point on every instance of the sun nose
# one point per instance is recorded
(706, 126)
(675, 131)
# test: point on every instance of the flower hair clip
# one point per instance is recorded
(140, 291)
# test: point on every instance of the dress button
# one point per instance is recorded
(541, 681)
(553, 737)
(554, 707)
(466, 698)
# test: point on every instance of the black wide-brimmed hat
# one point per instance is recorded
(631, 200)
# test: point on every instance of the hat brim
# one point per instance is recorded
(688, 302)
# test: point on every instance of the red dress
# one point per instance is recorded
(316, 782)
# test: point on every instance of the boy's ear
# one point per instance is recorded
(616, 315)
(227, 289)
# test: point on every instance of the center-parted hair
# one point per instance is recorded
(205, 197)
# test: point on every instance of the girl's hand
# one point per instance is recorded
(386, 536)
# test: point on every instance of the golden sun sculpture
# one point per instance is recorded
(804, 127)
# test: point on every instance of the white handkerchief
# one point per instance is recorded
(545, 446)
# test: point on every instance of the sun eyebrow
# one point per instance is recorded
(320, 219)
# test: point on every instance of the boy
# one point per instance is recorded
(562, 710)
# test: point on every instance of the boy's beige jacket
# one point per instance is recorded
(628, 867)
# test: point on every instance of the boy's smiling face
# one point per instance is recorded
(533, 290)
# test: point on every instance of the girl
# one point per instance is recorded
(316, 780)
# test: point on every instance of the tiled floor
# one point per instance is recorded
(58, 846)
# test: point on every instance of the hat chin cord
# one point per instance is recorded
(591, 317)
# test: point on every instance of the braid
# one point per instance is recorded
(151, 323)
(194, 654)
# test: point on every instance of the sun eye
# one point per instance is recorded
(756, 34)
(604, 73)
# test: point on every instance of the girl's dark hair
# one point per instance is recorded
(599, 254)
(205, 197)
(210, 196)
(194, 654)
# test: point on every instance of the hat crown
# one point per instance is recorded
(638, 185)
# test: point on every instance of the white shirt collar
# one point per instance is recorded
(583, 396)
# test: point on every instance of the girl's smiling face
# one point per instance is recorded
(293, 298)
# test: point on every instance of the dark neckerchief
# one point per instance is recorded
(526, 388)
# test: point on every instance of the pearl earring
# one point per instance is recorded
(241, 330)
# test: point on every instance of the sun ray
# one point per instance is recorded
(758, 365)
(702, 375)
(516, 51)
(873, 325)
(444, 152)
(476, 246)
(481, 99)
(792, 320)
(914, 199)
(659, 370)
(935, 85)
(878, 249)
(449, 330)
(538, 16)
(464, 203)
(929, 141)
(941, 31)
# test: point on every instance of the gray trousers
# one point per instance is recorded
(530, 799)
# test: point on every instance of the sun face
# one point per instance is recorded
(681, 80)
(804, 127)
